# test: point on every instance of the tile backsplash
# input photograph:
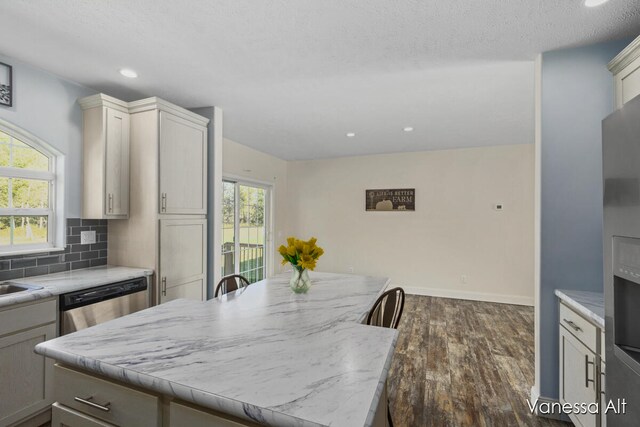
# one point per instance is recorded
(73, 257)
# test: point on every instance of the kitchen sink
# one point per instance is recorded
(12, 287)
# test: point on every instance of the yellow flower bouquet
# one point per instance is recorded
(303, 256)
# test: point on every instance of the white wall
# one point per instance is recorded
(241, 161)
(454, 230)
(46, 106)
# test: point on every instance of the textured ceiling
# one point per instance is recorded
(293, 76)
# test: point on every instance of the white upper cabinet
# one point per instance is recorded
(105, 158)
(117, 163)
(626, 73)
(183, 166)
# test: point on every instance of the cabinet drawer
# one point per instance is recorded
(579, 327)
(126, 406)
(182, 415)
(27, 316)
(65, 417)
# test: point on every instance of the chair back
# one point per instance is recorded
(230, 283)
(387, 309)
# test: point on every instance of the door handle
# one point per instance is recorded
(164, 286)
(110, 202)
(163, 206)
(587, 362)
(573, 325)
(88, 401)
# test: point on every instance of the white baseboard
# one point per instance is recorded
(535, 396)
(474, 296)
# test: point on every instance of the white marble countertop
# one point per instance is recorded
(69, 281)
(589, 304)
(262, 353)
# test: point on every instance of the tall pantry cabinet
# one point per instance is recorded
(167, 227)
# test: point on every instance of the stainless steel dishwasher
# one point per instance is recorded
(89, 307)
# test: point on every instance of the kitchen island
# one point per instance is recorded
(260, 356)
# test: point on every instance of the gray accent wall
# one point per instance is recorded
(46, 106)
(577, 93)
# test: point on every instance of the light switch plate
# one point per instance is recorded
(87, 237)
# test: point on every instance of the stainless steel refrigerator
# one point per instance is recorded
(621, 238)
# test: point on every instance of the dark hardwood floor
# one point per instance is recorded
(463, 363)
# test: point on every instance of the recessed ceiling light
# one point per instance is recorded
(351, 134)
(408, 129)
(127, 72)
(594, 3)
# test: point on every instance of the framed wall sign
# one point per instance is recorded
(6, 85)
(391, 200)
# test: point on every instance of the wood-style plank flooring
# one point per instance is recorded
(463, 363)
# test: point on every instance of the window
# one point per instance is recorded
(27, 190)
(244, 212)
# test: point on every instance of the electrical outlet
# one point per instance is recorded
(350, 270)
(463, 278)
(87, 237)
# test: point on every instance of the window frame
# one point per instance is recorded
(55, 210)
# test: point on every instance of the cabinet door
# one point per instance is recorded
(577, 376)
(116, 164)
(627, 83)
(183, 166)
(61, 416)
(183, 248)
(26, 377)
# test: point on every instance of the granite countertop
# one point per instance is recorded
(69, 281)
(262, 353)
(589, 304)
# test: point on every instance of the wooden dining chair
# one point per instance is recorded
(387, 309)
(230, 283)
(386, 312)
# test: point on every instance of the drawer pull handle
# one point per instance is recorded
(572, 324)
(106, 407)
(587, 362)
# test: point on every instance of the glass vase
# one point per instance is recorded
(300, 281)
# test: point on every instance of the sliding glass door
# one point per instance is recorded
(245, 214)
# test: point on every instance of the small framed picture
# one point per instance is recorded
(401, 199)
(6, 85)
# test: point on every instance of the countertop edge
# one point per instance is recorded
(382, 383)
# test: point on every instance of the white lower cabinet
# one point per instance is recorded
(577, 376)
(106, 401)
(25, 377)
(581, 368)
(183, 254)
